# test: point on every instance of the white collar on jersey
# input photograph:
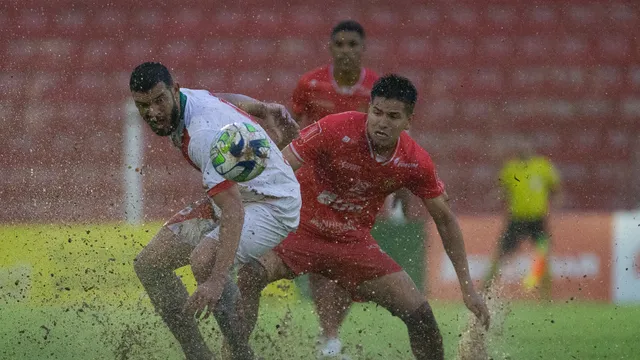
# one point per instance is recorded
(176, 135)
(375, 156)
(347, 90)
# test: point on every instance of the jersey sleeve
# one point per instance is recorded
(300, 97)
(313, 141)
(424, 181)
(553, 178)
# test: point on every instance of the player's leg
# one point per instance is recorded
(332, 304)
(507, 244)
(398, 293)
(262, 231)
(155, 266)
(540, 274)
(253, 277)
(293, 256)
(225, 312)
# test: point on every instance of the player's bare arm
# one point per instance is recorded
(217, 255)
(275, 118)
(291, 158)
(453, 243)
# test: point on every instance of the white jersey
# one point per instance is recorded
(203, 116)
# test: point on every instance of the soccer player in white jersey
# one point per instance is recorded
(234, 223)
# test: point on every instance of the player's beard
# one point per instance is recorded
(174, 121)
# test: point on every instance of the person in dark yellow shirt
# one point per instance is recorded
(529, 183)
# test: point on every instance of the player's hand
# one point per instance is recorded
(204, 300)
(284, 127)
(476, 305)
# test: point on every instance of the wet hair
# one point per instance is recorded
(396, 87)
(348, 25)
(147, 75)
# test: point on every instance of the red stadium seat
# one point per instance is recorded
(218, 53)
(580, 16)
(229, 21)
(306, 21)
(99, 54)
(180, 53)
(415, 49)
(266, 22)
(623, 16)
(214, 80)
(110, 21)
(289, 52)
(495, 48)
(423, 18)
(71, 22)
(253, 83)
(574, 49)
(137, 51)
(283, 83)
(614, 48)
(606, 79)
(502, 17)
(382, 21)
(187, 21)
(13, 85)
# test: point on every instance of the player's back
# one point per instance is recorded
(204, 116)
(318, 95)
(528, 183)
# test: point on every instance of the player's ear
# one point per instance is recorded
(409, 121)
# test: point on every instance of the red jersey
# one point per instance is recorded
(318, 95)
(342, 183)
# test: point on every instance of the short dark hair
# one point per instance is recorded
(147, 75)
(396, 87)
(348, 25)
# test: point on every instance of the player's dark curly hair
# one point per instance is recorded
(147, 75)
(348, 25)
(396, 87)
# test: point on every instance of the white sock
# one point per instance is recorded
(332, 347)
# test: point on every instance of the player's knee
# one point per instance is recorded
(225, 307)
(253, 273)
(421, 323)
(143, 266)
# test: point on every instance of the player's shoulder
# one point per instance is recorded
(413, 152)
(370, 77)
(205, 110)
(542, 162)
(344, 122)
(318, 74)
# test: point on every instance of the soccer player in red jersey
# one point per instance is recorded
(344, 85)
(346, 165)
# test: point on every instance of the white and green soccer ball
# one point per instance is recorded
(240, 152)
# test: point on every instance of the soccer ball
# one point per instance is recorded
(240, 152)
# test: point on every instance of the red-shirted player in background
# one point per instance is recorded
(344, 85)
(347, 164)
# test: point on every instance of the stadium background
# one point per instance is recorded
(489, 72)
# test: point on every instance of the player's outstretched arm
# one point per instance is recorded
(217, 255)
(274, 118)
(291, 158)
(451, 235)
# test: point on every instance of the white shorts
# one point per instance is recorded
(264, 226)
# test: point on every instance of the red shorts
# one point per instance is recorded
(348, 263)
